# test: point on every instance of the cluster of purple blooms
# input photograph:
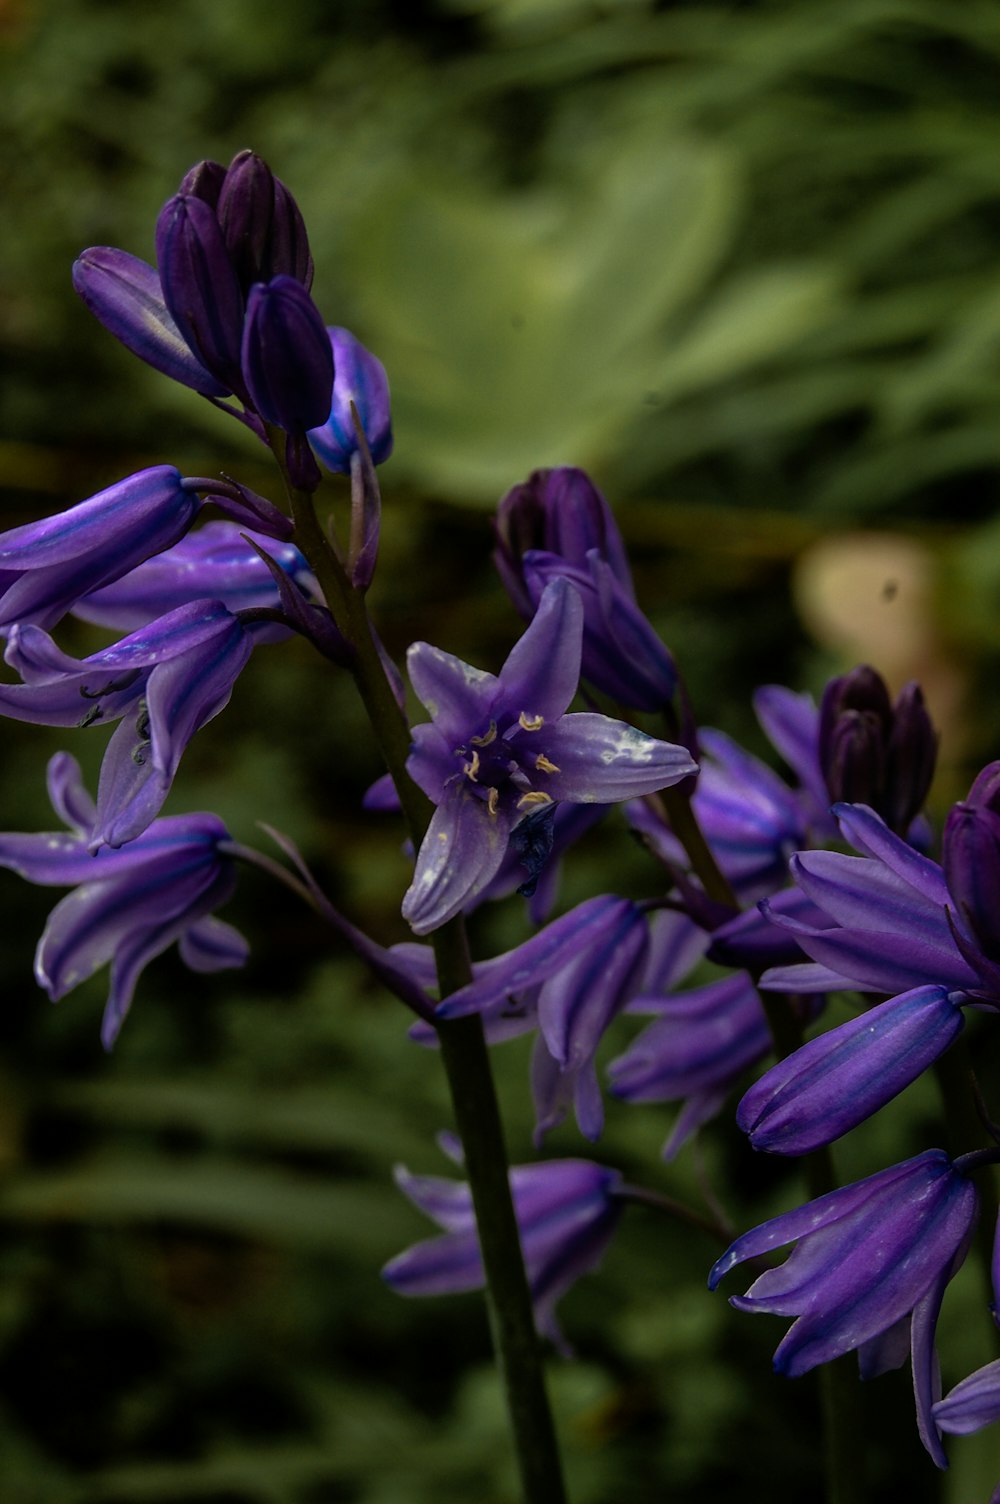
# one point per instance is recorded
(515, 777)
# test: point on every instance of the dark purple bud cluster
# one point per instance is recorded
(874, 752)
(228, 312)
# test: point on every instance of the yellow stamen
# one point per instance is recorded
(543, 764)
(530, 722)
(484, 741)
(471, 769)
(493, 801)
(534, 797)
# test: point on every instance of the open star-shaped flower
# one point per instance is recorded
(499, 748)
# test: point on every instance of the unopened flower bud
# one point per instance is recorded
(873, 752)
(261, 224)
(204, 180)
(287, 358)
(199, 285)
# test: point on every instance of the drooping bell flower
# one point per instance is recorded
(699, 1044)
(129, 905)
(837, 1080)
(46, 567)
(568, 981)
(567, 1212)
(216, 562)
(558, 525)
(868, 1273)
(498, 748)
(163, 682)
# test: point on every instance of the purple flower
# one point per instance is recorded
(127, 906)
(287, 357)
(359, 378)
(164, 682)
(499, 748)
(870, 1266)
(47, 566)
(839, 1079)
(700, 1043)
(216, 562)
(261, 225)
(567, 1211)
(200, 286)
(873, 752)
(751, 819)
(569, 981)
(124, 294)
(558, 525)
(224, 231)
(893, 918)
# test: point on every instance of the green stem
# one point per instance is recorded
(463, 1051)
(684, 824)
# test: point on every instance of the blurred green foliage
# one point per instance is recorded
(741, 261)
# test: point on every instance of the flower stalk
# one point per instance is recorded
(463, 1049)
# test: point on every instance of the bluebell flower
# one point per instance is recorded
(868, 1273)
(216, 562)
(261, 224)
(163, 682)
(893, 919)
(568, 981)
(558, 525)
(499, 748)
(836, 1081)
(47, 566)
(127, 906)
(699, 1044)
(566, 1210)
(791, 723)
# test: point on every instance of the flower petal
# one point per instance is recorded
(602, 761)
(124, 293)
(542, 670)
(459, 855)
